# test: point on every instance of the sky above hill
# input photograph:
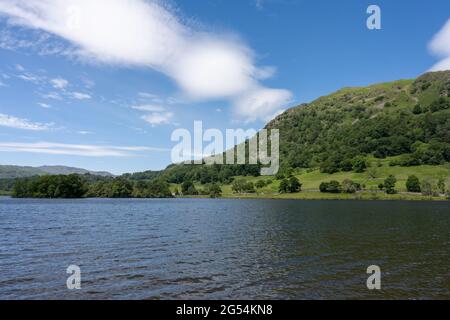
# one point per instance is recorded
(103, 84)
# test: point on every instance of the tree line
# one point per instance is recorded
(77, 186)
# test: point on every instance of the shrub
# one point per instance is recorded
(348, 186)
(389, 185)
(330, 187)
(242, 186)
(359, 164)
(294, 185)
(413, 184)
(417, 109)
(188, 188)
(284, 186)
(214, 190)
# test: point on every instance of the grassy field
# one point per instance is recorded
(375, 175)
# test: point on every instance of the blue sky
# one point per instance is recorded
(102, 86)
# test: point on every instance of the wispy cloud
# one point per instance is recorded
(158, 118)
(24, 124)
(80, 96)
(29, 77)
(147, 95)
(84, 132)
(44, 105)
(440, 46)
(52, 95)
(59, 83)
(76, 149)
(148, 107)
(205, 65)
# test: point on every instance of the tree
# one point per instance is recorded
(348, 186)
(389, 185)
(413, 184)
(284, 186)
(417, 109)
(121, 188)
(188, 188)
(346, 165)
(214, 190)
(294, 185)
(441, 185)
(429, 188)
(330, 187)
(260, 184)
(329, 166)
(359, 164)
(56, 186)
(242, 186)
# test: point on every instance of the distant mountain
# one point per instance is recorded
(71, 170)
(12, 172)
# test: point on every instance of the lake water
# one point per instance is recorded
(223, 249)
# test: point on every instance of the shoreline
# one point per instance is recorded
(304, 196)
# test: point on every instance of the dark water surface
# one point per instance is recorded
(223, 249)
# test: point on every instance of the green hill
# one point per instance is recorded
(410, 118)
(364, 134)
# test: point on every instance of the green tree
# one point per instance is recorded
(294, 185)
(330, 187)
(188, 188)
(417, 109)
(389, 184)
(121, 188)
(348, 186)
(284, 186)
(260, 184)
(359, 164)
(214, 191)
(413, 184)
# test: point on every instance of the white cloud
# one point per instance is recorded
(59, 83)
(2, 84)
(24, 124)
(52, 95)
(205, 65)
(263, 103)
(75, 149)
(148, 107)
(147, 95)
(44, 105)
(442, 65)
(80, 96)
(30, 78)
(440, 46)
(158, 118)
(19, 67)
(84, 132)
